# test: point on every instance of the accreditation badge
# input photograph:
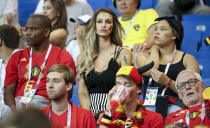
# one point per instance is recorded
(28, 95)
(151, 96)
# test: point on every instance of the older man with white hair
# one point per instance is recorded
(190, 87)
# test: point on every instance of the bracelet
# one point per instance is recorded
(170, 82)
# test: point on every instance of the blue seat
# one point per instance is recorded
(24, 14)
(26, 9)
(206, 82)
(201, 55)
(145, 4)
(194, 28)
(204, 65)
(196, 22)
(75, 98)
(190, 41)
(204, 48)
(96, 4)
(110, 5)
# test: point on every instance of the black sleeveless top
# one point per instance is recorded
(173, 72)
(102, 82)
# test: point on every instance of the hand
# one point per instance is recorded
(159, 77)
(141, 47)
(110, 94)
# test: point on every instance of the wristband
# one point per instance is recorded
(170, 82)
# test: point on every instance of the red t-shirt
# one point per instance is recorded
(59, 121)
(179, 117)
(80, 118)
(18, 65)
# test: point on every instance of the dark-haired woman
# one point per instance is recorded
(55, 10)
(168, 58)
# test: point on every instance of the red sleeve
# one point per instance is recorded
(157, 122)
(67, 59)
(12, 69)
(168, 119)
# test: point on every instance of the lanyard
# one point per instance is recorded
(1, 65)
(167, 66)
(126, 31)
(30, 65)
(202, 115)
(69, 115)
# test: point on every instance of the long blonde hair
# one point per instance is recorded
(91, 44)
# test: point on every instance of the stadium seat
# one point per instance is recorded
(204, 47)
(206, 82)
(25, 10)
(110, 5)
(96, 4)
(190, 41)
(196, 22)
(204, 65)
(75, 98)
(145, 4)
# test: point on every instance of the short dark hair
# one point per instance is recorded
(10, 35)
(176, 27)
(68, 74)
(44, 20)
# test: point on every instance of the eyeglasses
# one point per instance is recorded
(190, 82)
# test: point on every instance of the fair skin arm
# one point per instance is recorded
(111, 93)
(58, 37)
(162, 78)
(191, 63)
(144, 58)
(83, 93)
(126, 57)
(9, 94)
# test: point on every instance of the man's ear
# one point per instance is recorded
(202, 86)
(69, 86)
(47, 32)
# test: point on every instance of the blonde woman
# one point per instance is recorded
(101, 58)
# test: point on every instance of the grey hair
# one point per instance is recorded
(197, 76)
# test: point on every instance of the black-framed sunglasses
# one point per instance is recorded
(190, 82)
(171, 17)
